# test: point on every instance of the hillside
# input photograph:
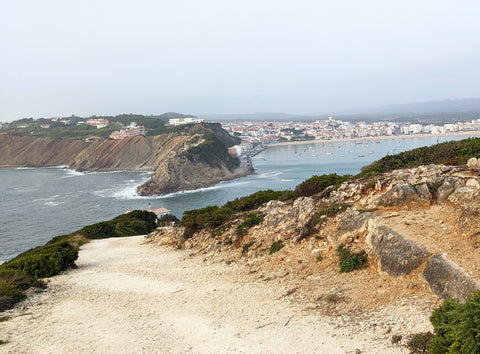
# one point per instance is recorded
(193, 156)
(417, 229)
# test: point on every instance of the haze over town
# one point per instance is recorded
(215, 57)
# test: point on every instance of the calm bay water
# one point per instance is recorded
(37, 204)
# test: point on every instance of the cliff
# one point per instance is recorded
(194, 157)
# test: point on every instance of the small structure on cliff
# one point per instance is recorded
(159, 212)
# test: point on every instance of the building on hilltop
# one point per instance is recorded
(97, 122)
(187, 120)
(132, 130)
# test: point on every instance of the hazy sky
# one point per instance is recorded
(63, 57)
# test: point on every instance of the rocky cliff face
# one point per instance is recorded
(177, 159)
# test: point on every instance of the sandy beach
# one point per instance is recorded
(373, 138)
(127, 296)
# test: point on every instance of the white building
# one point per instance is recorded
(180, 121)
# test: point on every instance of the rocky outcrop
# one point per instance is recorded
(177, 160)
(397, 256)
(447, 279)
(400, 195)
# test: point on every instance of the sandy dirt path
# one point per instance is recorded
(130, 297)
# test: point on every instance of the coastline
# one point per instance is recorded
(371, 138)
(128, 296)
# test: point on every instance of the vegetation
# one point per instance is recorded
(214, 216)
(167, 220)
(419, 342)
(451, 152)
(60, 253)
(350, 261)
(456, 327)
(251, 220)
(212, 152)
(317, 184)
(276, 246)
(154, 125)
(137, 222)
(318, 218)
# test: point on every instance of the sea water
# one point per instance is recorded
(37, 204)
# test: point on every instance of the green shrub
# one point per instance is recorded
(214, 216)
(450, 152)
(45, 261)
(320, 217)
(137, 222)
(351, 261)
(418, 343)
(456, 327)
(9, 295)
(317, 184)
(276, 246)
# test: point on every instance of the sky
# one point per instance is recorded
(106, 57)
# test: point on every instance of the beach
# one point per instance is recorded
(382, 137)
(127, 296)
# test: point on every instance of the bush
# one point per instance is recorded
(213, 216)
(137, 222)
(351, 261)
(418, 343)
(276, 246)
(44, 261)
(456, 327)
(318, 218)
(9, 295)
(317, 184)
(451, 152)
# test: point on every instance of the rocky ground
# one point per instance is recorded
(419, 227)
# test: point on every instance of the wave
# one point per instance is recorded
(270, 174)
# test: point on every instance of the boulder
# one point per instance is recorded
(304, 207)
(473, 183)
(461, 195)
(444, 191)
(354, 222)
(423, 191)
(473, 164)
(399, 195)
(446, 279)
(397, 256)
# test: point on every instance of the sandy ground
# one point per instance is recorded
(130, 297)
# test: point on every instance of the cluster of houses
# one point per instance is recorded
(131, 130)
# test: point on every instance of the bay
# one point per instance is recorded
(40, 203)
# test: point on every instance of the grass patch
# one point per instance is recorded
(276, 246)
(350, 261)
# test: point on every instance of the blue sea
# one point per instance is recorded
(40, 203)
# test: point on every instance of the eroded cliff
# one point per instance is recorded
(194, 157)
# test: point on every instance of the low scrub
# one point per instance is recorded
(350, 261)
(456, 327)
(320, 217)
(251, 220)
(317, 184)
(214, 216)
(276, 246)
(451, 152)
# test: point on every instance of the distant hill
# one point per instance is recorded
(442, 111)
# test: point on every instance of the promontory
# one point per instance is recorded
(181, 157)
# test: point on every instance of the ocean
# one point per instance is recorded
(40, 203)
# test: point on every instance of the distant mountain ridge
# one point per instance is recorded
(429, 111)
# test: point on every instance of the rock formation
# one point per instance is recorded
(176, 159)
(405, 221)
